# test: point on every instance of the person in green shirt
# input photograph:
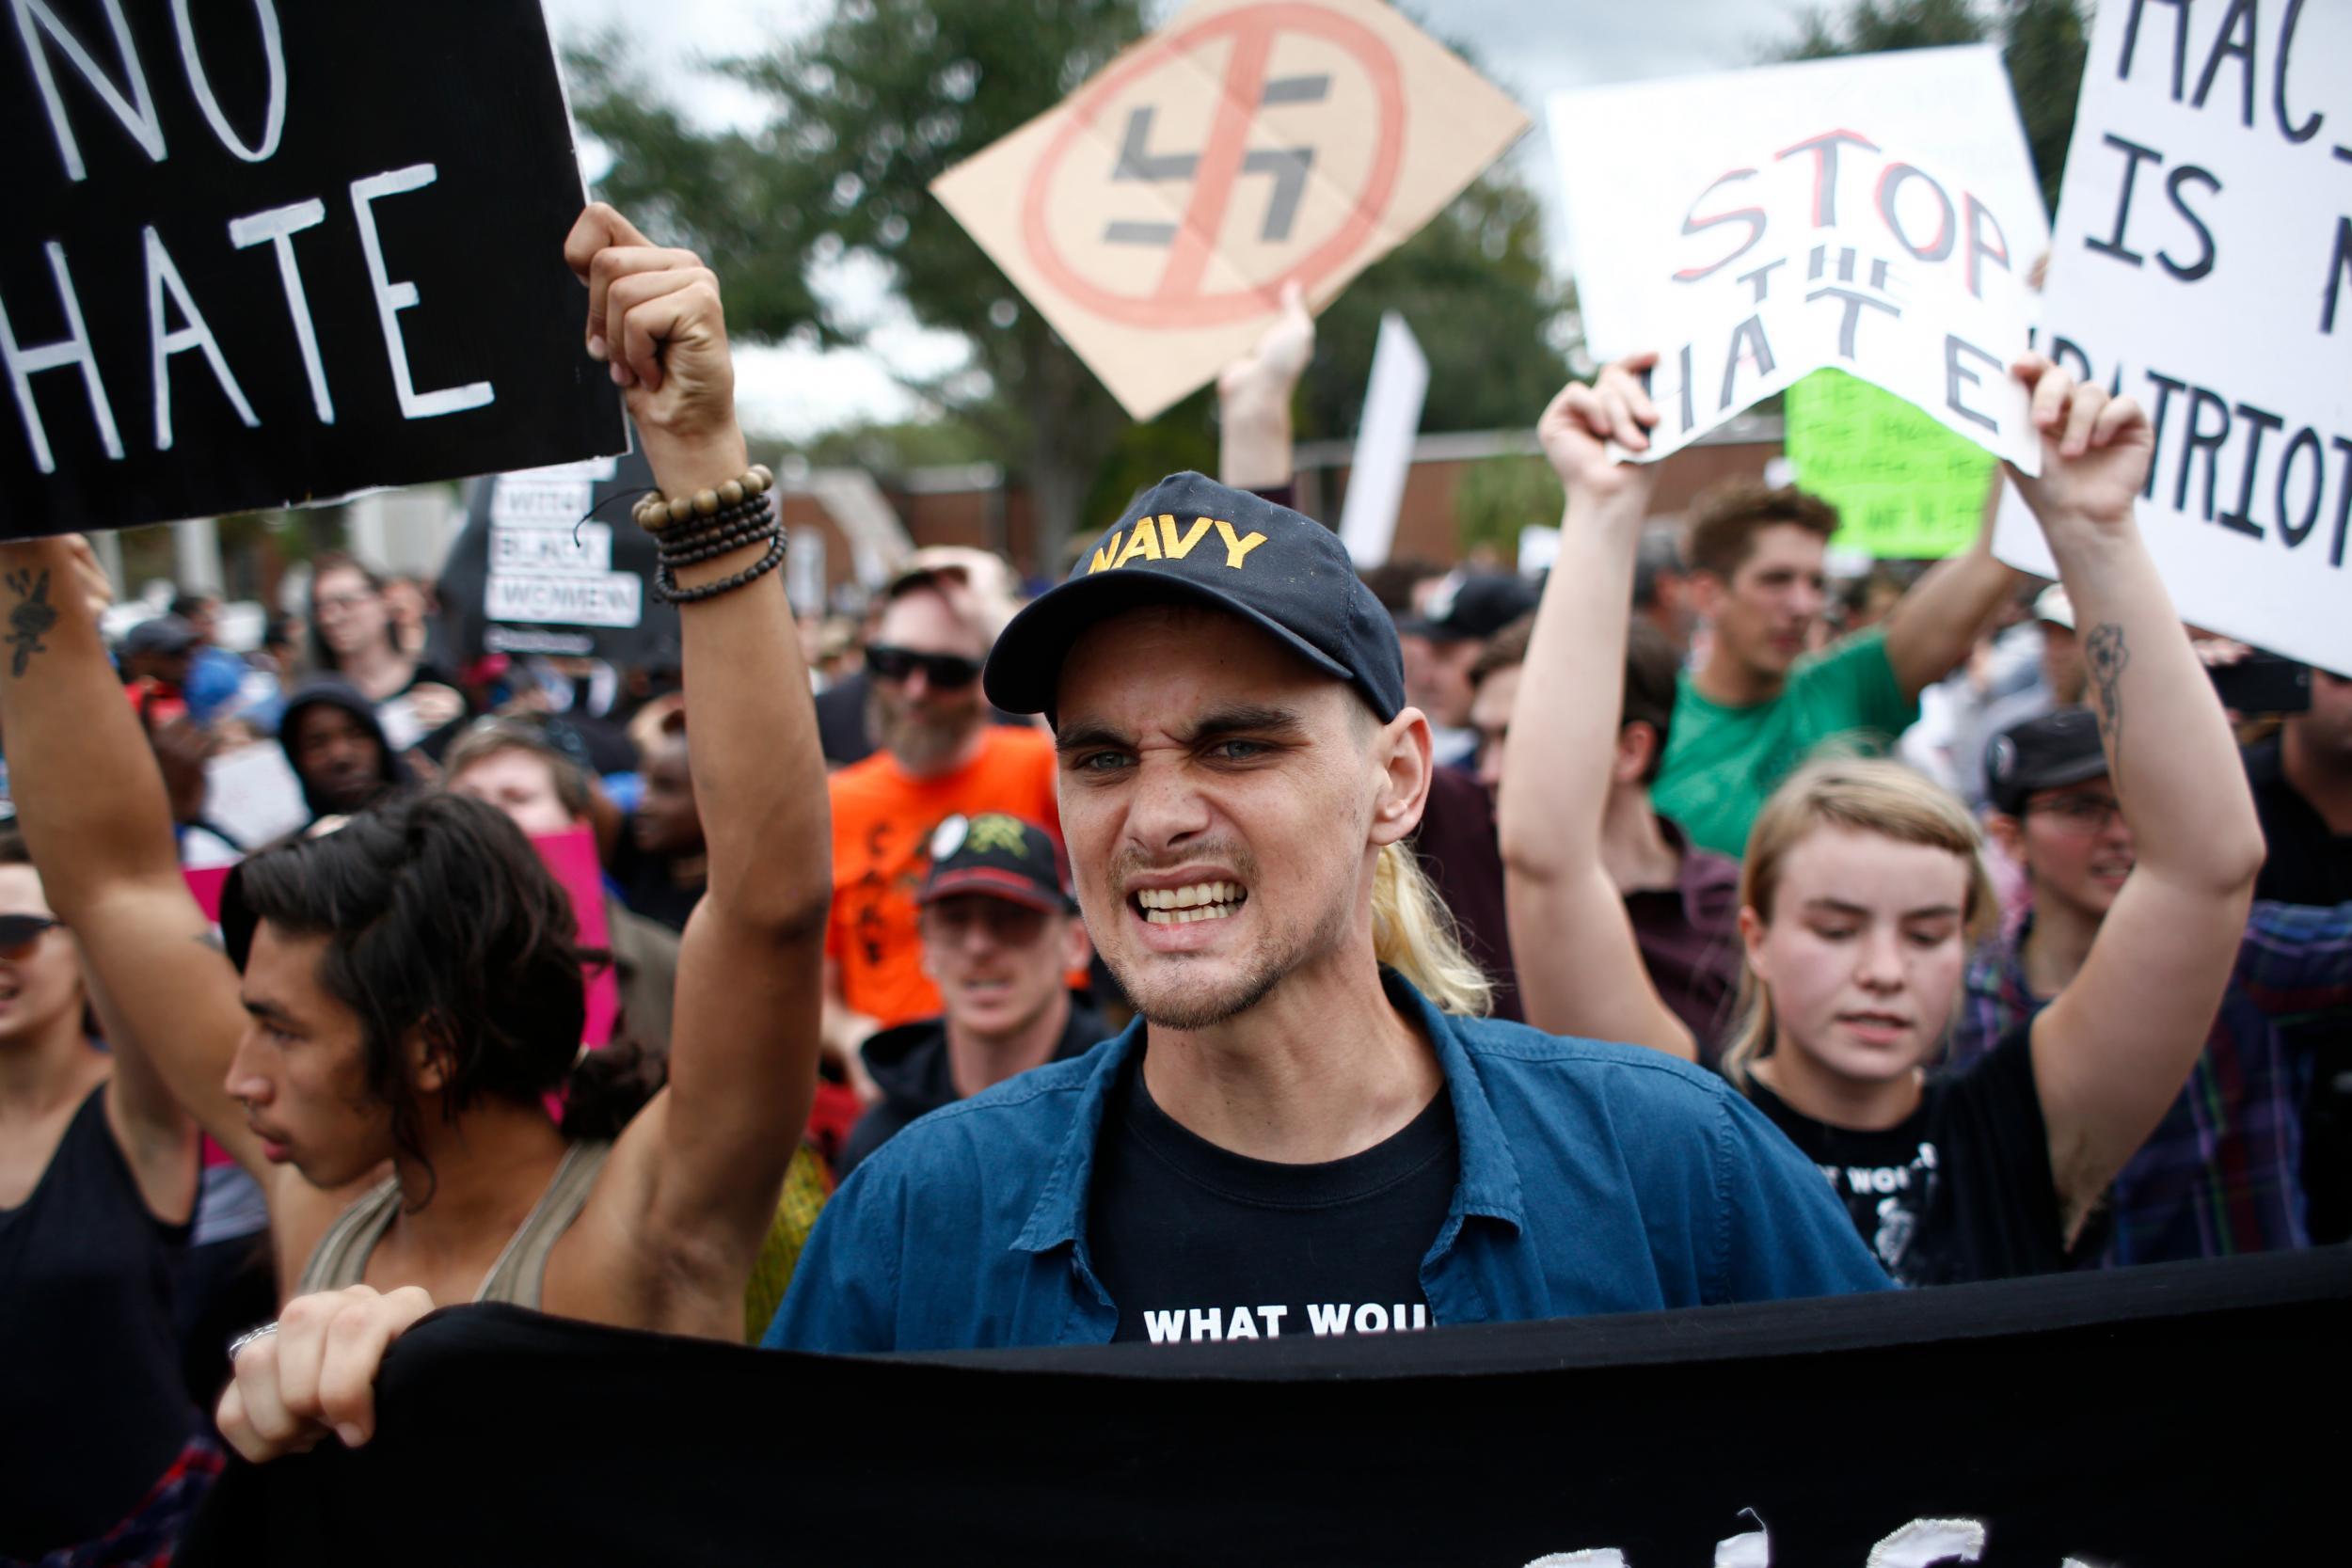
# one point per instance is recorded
(1759, 705)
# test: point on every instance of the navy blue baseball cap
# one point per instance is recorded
(1190, 540)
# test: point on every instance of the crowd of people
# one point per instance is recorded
(1222, 944)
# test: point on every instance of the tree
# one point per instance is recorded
(2043, 46)
(876, 101)
(870, 105)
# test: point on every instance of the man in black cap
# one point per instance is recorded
(1001, 935)
(1307, 1129)
(2223, 1174)
(1453, 630)
(155, 656)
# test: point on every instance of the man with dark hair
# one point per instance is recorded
(1683, 900)
(2223, 1172)
(1001, 934)
(409, 988)
(1760, 703)
(658, 856)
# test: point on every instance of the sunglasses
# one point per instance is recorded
(944, 671)
(19, 932)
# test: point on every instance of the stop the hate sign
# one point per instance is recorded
(1154, 216)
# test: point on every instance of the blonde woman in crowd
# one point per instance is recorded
(1864, 886)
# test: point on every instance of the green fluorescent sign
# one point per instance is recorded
(1905, 487)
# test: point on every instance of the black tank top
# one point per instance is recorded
(93, 1406)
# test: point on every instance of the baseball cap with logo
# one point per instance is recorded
(1000, 856)
(1190, 540)
(2058, 749)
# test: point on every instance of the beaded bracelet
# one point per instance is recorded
(665, 582)
(656, 513)
(726, 544)
(746, 524)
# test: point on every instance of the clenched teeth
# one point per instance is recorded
(1188, 898)
(1182, 905)
(1186, 917)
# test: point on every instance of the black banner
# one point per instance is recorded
(2178, 1415)
(265, 252)
(549, 562)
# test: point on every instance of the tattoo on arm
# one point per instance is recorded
(2107, 653)
(30, 620)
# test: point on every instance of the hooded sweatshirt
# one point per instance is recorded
(909, 1065)
(335, 692)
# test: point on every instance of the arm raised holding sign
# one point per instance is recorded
(2110, 1054)
(1581, 969)
(408, 987)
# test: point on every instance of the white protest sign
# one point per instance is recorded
(1154, 215)
(1384, 443)
(253, 795)
(550, 564)
(1878, 216)
(2203, 264)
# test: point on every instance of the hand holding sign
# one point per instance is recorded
(653, 315)
(2095, 450)
(1584, 422)
(1869, 215)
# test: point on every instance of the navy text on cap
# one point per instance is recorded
(1189, 539)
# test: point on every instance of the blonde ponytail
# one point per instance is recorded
(1413, 933)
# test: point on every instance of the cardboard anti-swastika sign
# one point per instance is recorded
(1154, 216)
(263, 252)
(1875, 215)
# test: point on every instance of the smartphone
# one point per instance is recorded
(2263, 684)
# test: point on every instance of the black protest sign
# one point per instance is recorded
(550, 563)
(266, 253)
(2139, 1418)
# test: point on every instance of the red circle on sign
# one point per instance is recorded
(1176, 303)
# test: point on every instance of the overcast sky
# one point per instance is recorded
(1530, 48)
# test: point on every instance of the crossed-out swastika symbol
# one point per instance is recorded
(1288, 164)
(1177, 299)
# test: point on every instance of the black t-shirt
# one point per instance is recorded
(646, 885)
(2310, 863)
(1196, 1243)
(1962, 1190)
(96, 1408)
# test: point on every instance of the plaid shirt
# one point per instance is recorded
(2222, 1173)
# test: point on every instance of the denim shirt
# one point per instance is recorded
(1593, 1179)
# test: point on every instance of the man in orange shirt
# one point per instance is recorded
(938, 756)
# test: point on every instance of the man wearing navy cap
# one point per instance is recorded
(1001, 935)
(1306, 1131)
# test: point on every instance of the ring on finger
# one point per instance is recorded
(251, 1335)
